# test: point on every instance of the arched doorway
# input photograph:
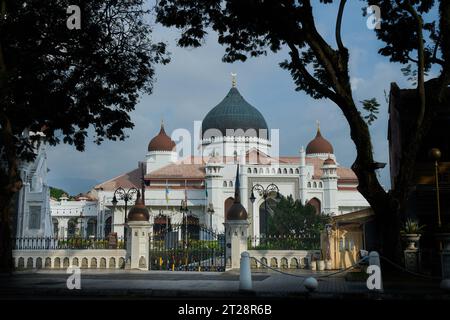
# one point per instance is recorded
(108, 225)
(227, 205)
(161, 224)
(316, 204)
(91, 227)
(72, 227)
(55, 227)
(192, 224)
(265, 210)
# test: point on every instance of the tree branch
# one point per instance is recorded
(323, 90)
(420, 62)
(339, 24)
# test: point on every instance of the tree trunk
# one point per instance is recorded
(10, 183)
(6, 261)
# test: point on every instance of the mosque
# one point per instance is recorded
(199, 189)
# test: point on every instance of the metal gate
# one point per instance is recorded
(183, 248)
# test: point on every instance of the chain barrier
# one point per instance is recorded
(349, 268)
(318, 277)
(421, 275)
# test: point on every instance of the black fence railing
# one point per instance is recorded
(179, 251)
(49, 243)
(284, 242)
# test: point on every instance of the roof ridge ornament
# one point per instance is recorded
(318, 126)
(233, 79)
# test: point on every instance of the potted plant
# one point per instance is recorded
(312, 263)
(411, 233)
(321, 265)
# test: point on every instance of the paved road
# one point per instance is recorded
(149, 284)
(173, 282)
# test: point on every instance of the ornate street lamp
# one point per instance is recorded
(265, 193)
(211, 211)
(184, 209)
(125, 195)
(81, 224)
(435, 154)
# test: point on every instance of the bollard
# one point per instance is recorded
(311, 284)
(245, 274)
(375, 280)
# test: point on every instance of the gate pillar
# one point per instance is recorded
(236, 229)
(236, 232)
(137, 256)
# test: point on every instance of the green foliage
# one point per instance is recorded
(290, 242)
(69, 83)
(293, 218)
(57, 193)
(373, 108)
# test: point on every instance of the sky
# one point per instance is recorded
(196, 80)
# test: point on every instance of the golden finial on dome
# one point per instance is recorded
(233, 79)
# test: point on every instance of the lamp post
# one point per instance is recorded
(184, 209)
(265, 193)
(435, 154)
(211, 212)
(125, 195)
(81, 224)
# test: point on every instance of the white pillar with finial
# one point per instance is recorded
(137, 256)
(236, 229)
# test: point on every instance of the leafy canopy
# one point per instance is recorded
(68, 83)
(291, 217)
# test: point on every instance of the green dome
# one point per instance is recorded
(233, 112)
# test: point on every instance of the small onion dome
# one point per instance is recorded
(237, 210)
(161, 142)
(319, 145)
(139, 211)
(329, 161)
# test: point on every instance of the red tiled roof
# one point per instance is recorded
(179, 171)
(126, 180)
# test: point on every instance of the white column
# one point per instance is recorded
(236, 232)
(138, 245)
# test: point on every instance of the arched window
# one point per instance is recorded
(316, 204)
(249, 170)
(285, 171)
(255, 170)
(230, 184)
(279, 170)
(309, 184)
(297, 171)
(225, 184)
(267, 170)
(315, 184)
(320, 185)
(273, 170)
(291, 171)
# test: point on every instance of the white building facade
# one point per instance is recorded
(32, 203)
(233, 132)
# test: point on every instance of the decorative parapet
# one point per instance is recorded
(284, 259)
(57, 259)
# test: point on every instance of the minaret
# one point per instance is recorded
(161, 151)
(330, 178)
(214, 180)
